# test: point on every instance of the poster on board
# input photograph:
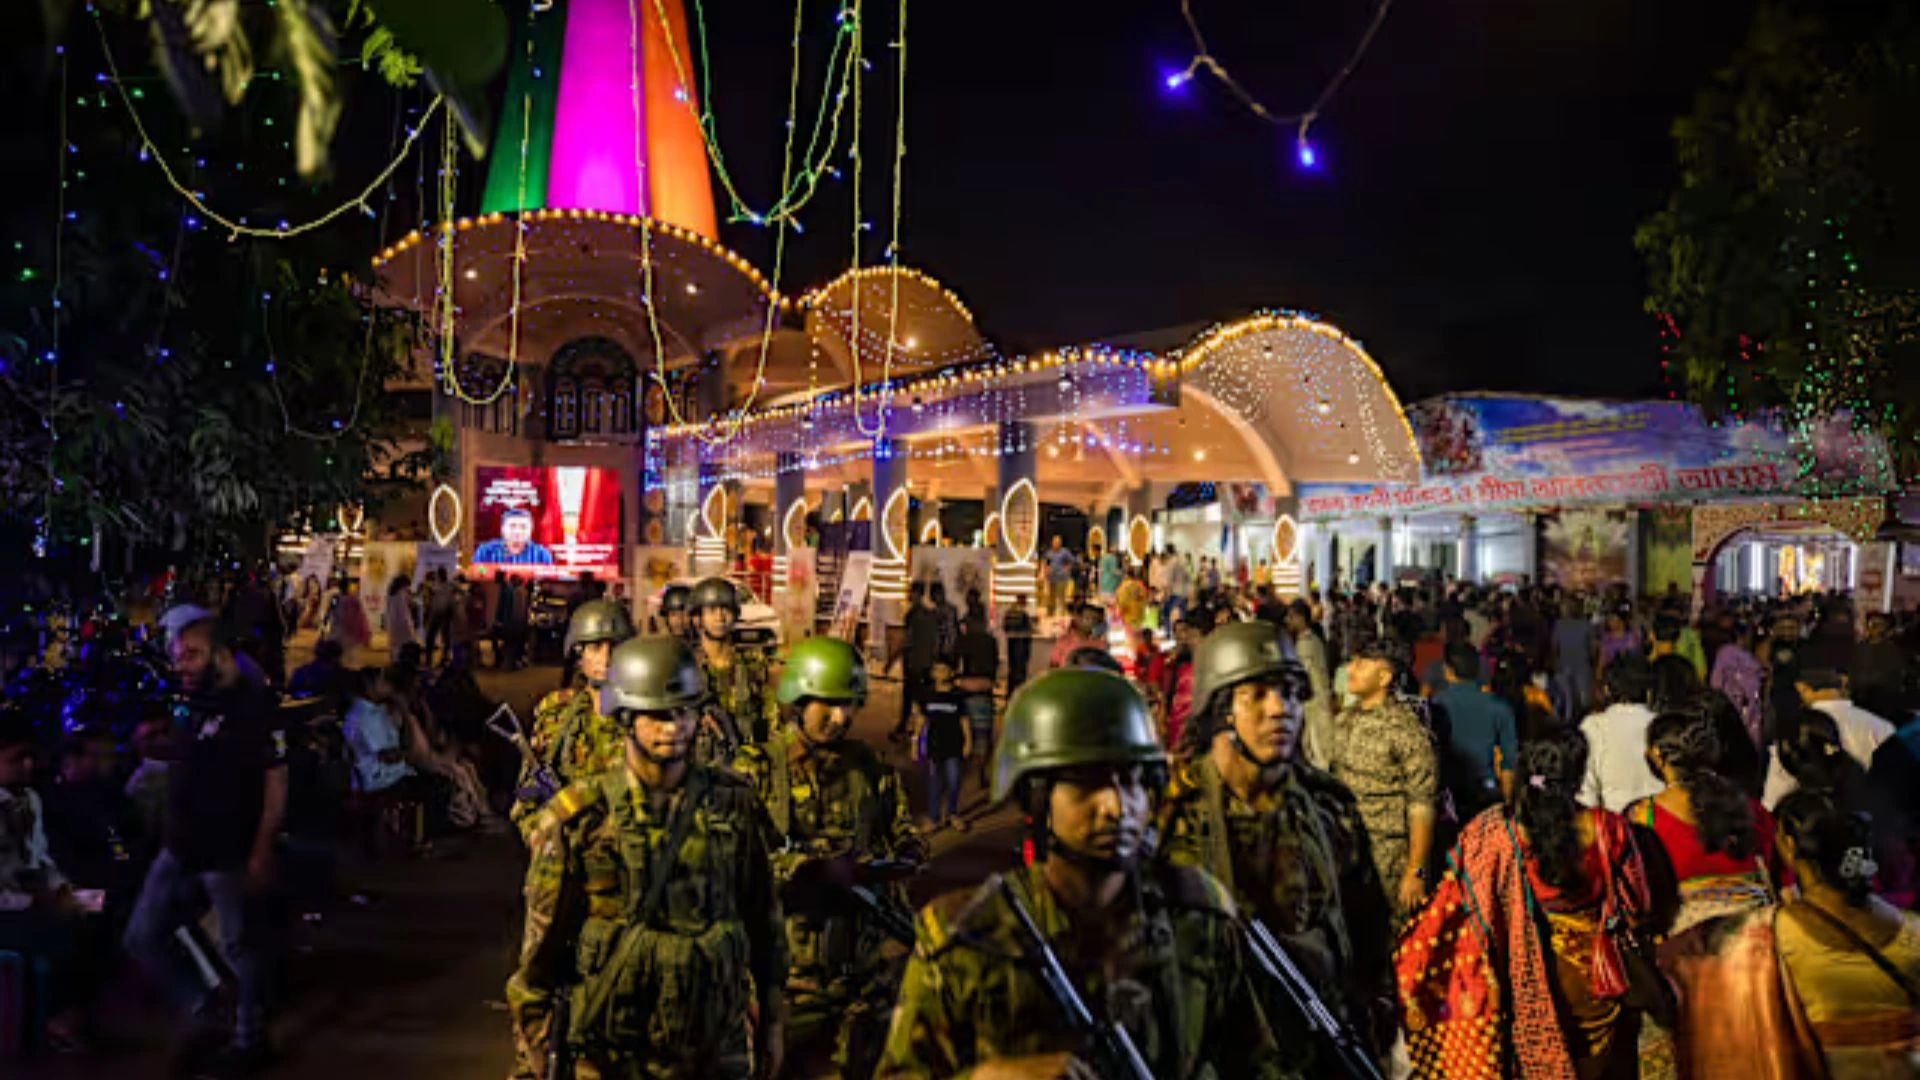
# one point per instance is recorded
(548, 521)
(654, 568)
(1585, 549)
(316, 562)
(380, 563)
(430, 557)
(852, 604)
(959, 570)
(799, 601)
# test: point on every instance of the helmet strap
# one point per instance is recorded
(1246, 752)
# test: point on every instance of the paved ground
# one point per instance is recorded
(411, 985)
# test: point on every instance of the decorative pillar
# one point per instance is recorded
(1019, 509)
(1383, 559)
(891, 542)
(1286, 550)
(1136, 537)
(1468, 559)
(789, 512)
(713, 501)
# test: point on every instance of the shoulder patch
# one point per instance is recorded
(1193, 888)
(951, 914)
(573, 800)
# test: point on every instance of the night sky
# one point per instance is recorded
(1484, 170)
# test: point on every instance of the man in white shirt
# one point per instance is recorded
(1861, 732)
(1617, 769)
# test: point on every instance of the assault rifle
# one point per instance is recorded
(546, 783)
(1114, 1055)
(1273, 961)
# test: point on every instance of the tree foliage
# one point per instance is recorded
(1783, 269)
(183, 391)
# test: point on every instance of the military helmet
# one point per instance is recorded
(826, 668)
(1236, 653)
(598, 620)
(715, 592)
(652, 674)
(1068, 717)
(674, 598)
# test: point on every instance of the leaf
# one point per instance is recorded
(307, 35)
(181, 63)
(464, 41)
(382, 53)
(222, 44)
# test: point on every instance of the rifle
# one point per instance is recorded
(1115, 1056)
(559, 1064)
(1280, 968)
(546, 783)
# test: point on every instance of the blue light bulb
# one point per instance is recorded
(1305, 154)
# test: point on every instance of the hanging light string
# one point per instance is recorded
(236, 229)
(730, 425)
(893, 249)
(42, 536)
(446, 310)
(340, 427)
(795, 191)
(1203, 59)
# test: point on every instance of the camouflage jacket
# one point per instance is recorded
(743, 694)
(1301, 864)
(1178, 983)
(571, 739)
(843, 801)
(659, 995)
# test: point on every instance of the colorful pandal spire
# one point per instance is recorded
(570, 136)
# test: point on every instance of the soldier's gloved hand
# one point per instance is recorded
(1035, 1067)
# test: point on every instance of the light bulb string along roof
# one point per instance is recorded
(237, 229)
(1203, 59)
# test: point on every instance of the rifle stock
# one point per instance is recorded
(1280, 969)
(1115, 1055)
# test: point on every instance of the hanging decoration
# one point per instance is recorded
(444, 505)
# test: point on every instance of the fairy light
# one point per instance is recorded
(1300, 122)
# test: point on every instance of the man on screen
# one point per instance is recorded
(516, 546)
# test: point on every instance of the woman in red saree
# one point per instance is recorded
(1537, 882)
(1715, 842)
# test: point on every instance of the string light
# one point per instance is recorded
(148, 149)
(1204, 60)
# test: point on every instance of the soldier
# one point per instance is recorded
(1383, 754)
(570, 737)
(651, 910)
(674, 620)
(742, 709)
(1154, 948)
(838, 807)
(1286, 838)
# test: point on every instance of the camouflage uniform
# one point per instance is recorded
(742, 690)
(570, 737)
(1386, 759)
(1302, 865)
(843, 801)
(1179, 985)
(669, 998)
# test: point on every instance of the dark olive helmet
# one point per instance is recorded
(652, 674)
(598, 620)
(1069, 717)
(674, 598)
(1236, 653)
(826, 668)
(714, 592)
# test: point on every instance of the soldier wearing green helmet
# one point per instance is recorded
(837, 809)
(741, 709)
(651, 905)
(570, 736)
(1156, 947)
(1286, 838)
(675, 620)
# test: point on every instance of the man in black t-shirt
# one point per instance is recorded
(946, 741)
(226, 799)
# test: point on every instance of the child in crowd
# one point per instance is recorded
(945, 741)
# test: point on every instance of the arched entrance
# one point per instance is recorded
(1806, 528)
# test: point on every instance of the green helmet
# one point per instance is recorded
(598, 620)
(826, 668)
(715, 592)
(1072, 716)
(674, 598)
(1233, 654)
(652, 674)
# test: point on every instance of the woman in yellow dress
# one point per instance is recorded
(1852, 958)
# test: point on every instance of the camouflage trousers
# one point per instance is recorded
(836, 1035)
